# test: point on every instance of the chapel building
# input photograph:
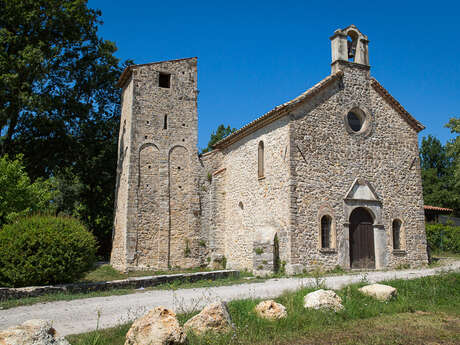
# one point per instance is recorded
(330, 178)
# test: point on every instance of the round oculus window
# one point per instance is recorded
(355, 121)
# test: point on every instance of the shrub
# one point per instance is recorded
(40, 250)
(443, 237)
(19, 196)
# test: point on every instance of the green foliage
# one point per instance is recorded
(187, 250)
(442, 237)
(59, 104)
(259, 251)
(217, 136)
(453, 150)
(41, 250)
(19, 196)
(437, 174)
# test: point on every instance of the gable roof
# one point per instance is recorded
(397, 106)
(276, 112)
(281, 110)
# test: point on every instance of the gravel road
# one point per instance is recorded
(79, 316)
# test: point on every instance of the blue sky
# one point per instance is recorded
(254, 55)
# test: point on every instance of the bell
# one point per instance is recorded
(351, 49)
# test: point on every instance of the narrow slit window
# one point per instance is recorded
(164, 80)
(396, 234)
(261, 160)
(165, 123)
(326, 222)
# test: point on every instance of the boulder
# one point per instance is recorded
(158, 327)
(323, 299)
(271, 310)
(214, 317)
(379, 291)
(32, 332)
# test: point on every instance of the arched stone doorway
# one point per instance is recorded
(362, 252)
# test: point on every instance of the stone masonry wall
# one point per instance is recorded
(118, 256)
(175, 209)
(163, 220)
(252, 204)
(212, 199)
(328, 159)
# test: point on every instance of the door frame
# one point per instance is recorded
(374, 207)
(369, 240)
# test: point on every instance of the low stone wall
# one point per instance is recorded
(129, 283)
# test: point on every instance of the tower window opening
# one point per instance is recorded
(165, 124)
(164, 80)
(352, 42)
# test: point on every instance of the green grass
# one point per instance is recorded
(107, 273)
(441, 254)
(439, 296)
(177, 284)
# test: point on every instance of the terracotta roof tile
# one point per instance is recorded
(276, 112)
(436, 208)
(397, 106)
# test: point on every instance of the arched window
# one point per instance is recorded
(326, 222)
(396, 234)
(261, 160)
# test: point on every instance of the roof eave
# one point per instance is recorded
(276, 113)
(416, 125)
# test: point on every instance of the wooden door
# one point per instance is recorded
(362, 254)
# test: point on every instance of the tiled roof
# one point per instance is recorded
(397, 106)
(276, 112)
(436, 208)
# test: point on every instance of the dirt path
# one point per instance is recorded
(79, 316)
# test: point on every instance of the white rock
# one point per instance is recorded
(214, 318)
(320, 299)
(379, 291)
(158, 327)
(32, 332)
(271, 310)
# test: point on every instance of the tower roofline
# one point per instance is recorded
(127, 72)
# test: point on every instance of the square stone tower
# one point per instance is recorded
(156, 211)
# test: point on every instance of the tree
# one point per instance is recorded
(19, 196)
(59, 104)
(440, 186)
(217, 136)
(453, 151)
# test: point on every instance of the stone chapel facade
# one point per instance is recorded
(330, 178)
